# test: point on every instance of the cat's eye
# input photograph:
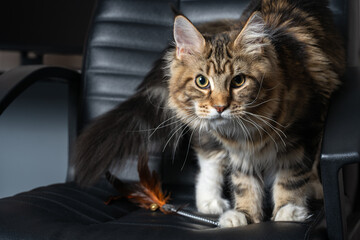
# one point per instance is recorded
(238, 81)
(202, 82)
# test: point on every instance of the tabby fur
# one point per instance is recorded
(252, 95)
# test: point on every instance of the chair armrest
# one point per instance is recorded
(14, 82)
(341, 146)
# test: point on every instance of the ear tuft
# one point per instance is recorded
(188, 39)
(251, 37)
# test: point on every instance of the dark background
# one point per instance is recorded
(44, 25)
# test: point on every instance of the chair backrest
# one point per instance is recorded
(126, 37)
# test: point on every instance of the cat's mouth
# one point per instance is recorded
(219, 119)
(214, 117)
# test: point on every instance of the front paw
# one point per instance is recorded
(232, 218)
(291, 212)
(213, 206)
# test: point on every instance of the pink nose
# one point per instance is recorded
(220, 109)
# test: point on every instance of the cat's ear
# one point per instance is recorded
(251, 38)
(188, 39)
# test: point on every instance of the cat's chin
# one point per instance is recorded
(219, 121)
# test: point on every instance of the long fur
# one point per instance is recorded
(126, 131)
(306, 61)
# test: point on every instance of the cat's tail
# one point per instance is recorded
(124, 133)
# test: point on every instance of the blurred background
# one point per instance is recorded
(33, 130)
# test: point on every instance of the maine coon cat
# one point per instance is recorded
(252, 95)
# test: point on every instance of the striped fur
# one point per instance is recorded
(253, 94)
(271, 126)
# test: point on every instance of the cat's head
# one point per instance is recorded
(222, 78)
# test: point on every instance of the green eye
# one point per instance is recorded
(238, 81)
(202, 82)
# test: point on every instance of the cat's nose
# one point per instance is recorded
(220, 109)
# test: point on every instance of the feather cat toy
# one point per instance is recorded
(148, 194)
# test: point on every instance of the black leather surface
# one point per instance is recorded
(347, 96)
(65, 211)
(126, 38)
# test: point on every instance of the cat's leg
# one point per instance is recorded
(212, 158)
(210, 181)
(248, 198)
(292, 188)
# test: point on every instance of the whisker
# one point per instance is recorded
(245, 132)
(259, 104)
(269, 89)
(188, 149)
(268, 118)
(275, 129)
(159, 126)
(271, 137)
(258, 93)
(177, 130)
(248, 134)
(177, 142)
(270, 125)
(172, 135)
(257, 126)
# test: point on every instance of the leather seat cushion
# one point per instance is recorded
(67, 211)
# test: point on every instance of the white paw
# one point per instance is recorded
(232, 218)
(291, 212)
(213, 206)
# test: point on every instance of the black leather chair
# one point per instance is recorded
(124, 40)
